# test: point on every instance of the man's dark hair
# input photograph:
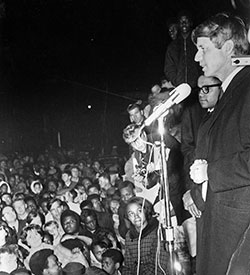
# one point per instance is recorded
(114, 254)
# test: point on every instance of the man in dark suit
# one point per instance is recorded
(222, 157)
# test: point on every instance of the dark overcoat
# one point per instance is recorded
(226, 147)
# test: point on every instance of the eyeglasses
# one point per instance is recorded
(206, 88)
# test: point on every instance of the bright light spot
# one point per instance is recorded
(177, 266)
(89, 106)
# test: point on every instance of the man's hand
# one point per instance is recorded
(198, 171)
(190, 206)
(194, 211)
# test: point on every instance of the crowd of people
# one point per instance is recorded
(62, 212)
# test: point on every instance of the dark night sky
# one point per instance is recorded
(53, 50)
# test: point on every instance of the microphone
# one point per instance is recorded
(176, 96)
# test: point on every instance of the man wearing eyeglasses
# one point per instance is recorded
(223, 152)
(209, 94)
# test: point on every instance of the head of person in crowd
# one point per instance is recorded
(9, 215)
(66, 177)
(6, 198)
(55, 207)
(7, 235)
(139, 212)
(36, 187)
(4, 187)
(42, 173)
(70, 222)
(112, 260)
(210, 91)
(89, 219)
(81, 190)
(32, 236)
(97, 166)
(185, 23)
(173, 28)
(43, 203)
(36, 217)
(98, 247)
(47, 238)
(75, 173)
(52, 228)
(69, 195)
(104, 181)
(133, 136)
(21, 208)
(135, 113)
(21, 187)
(94, 188)
(21, 271)
(109, 237)
(114, 204)
(31, 203)
(44, 262)
(86, 205)
(126, 189)
(217, 40)
(52, 185)
(86, 181)
(96, 202)
(8, 258)
(74, 268)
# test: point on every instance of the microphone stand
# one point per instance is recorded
(169, 230)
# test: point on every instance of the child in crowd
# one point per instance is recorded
(112, 260)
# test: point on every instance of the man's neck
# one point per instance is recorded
(227, 70)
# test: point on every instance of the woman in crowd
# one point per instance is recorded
(143, 233)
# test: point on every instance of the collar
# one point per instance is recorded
(227, 81)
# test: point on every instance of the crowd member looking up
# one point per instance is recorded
(55, 207)
(222, 158)
(140, 214)
(179, 60)
(52, 228)
(9, 215)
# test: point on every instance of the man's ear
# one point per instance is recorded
(46, 271)
(117, 266)
(228, 47)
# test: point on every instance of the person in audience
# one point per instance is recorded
(112, 260)
(9, 215)
(180, 66)
(144, 231)
(8, 259)
(52, 228)
(21, 209)
(135, 114)
(44, 262)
